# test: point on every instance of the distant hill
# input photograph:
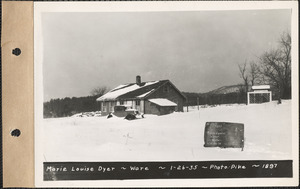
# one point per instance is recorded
(228, 89)
(222, 90)
(223, 95)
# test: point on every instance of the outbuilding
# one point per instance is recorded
(259, 94)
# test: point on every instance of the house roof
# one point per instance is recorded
(134, 91)
(162, 102)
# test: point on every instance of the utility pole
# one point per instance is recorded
(198, 102)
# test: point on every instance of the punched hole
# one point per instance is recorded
(15, 133)
(16, 51)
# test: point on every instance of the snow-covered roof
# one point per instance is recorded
(118, 91)
(260, 87)
(145, 94)
(119, 87)
(162, 102)
(132, 90)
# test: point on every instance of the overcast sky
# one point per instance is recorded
(197, 51)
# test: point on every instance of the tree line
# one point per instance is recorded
(64, 107)
(194, 99)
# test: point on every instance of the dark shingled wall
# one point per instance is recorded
(172, 95)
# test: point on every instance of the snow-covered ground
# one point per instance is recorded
(173, 137)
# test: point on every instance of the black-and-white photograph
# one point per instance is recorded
(165, 86)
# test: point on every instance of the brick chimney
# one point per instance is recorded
(138, 80)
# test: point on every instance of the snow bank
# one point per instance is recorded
(88, 114)
(173, 137)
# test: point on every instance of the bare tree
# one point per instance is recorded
(99, 91)
(244, 75)
(254, 74)
(250, 75)
(246, 78)
(276, 67)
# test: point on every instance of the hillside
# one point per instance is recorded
(223, 95)
(227, 89)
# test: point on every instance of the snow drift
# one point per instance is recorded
(174, 137)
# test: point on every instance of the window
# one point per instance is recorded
(121, 102)
(103, 106)
(137, 102)
(111, 106)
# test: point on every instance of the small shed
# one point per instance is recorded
(161, 106)
(259, 94)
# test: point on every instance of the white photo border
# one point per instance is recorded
(40, 7)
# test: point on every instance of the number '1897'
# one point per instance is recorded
(269, 166)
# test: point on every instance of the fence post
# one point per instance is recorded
(187, 105)
(248, 98)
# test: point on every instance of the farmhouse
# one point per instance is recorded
(152, 97)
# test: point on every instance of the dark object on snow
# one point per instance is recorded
(224, 135)
(142, 115)
(109, 115)
(279, 101)
(130, 117)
